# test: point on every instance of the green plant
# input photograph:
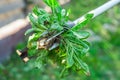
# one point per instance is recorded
(48, 29)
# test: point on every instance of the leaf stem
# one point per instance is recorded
(62, 72)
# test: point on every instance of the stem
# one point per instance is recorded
(99, 10)
(61, 74)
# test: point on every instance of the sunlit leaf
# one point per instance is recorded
(32, 30)
(70, 60)
(83, 22)
(81, 34)
(38, 11)
(33, 20)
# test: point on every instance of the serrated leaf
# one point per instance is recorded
(82, 64)
(87, 71)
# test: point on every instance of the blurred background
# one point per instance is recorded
(103, 57)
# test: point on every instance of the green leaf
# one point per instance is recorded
(47, 2)
(75, 49)
(63, 12)
(52, 3)
(33, 30)
(32, 45)
(86, 68)
(39, 62)
(85, 47)
(56, 26)
(38, 11)
(34, 37)
(81, 34)
(89, 16)
(33, 20)
(31, 52)
(43, 18)
(70, 60)
(29, 31)
(82, 22)
(41, 59)
(82, 64)
(79, 26)
(55, 7)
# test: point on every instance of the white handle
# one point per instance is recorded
(99, 10)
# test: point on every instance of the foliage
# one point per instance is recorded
(73, 45)
(104, 55)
